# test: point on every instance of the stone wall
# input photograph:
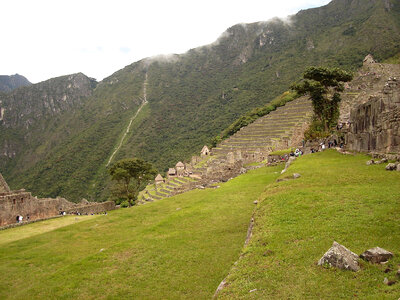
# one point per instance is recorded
(375, 124)
(22, 203)
(93, 208)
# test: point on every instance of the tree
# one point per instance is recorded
(324, 85)
(131, 175)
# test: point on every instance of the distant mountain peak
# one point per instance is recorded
(9, 83)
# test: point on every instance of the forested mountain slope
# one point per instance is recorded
(193, 96)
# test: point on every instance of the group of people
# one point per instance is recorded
(296, 153)
(20, 218)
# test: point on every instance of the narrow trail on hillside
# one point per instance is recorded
(128, 128)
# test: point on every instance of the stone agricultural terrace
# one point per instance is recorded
(281, 128)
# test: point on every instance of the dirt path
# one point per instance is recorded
(128, 128)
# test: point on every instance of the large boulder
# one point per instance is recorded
(340, 257)
(391, 167)
(370, 162)
(376, 255)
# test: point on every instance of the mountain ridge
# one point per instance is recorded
(193, 96)
(11, 82)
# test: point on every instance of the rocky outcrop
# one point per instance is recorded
(340, 257)
(375, 123)
(377, 255)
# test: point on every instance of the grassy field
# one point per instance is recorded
(177, 248)
(22, 232)
(337, 198)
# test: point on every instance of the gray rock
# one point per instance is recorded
(370, 162)
(391, 167)
(288, 163)
(255, 202)
(398, 168)
(383, 160)
(385, 281)
(296, 175)
(376, 255)
(243, 171)
(340, 257)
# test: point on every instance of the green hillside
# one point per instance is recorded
(184, 246)
(337, 198)
(180, 248)
(191, 97)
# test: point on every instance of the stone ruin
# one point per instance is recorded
(22, 203)
(205, 151)
(374, 125)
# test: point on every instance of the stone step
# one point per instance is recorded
(164, 191)
(181, 180)
(160, 194)
(156, 197)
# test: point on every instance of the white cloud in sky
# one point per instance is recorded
(48, 38)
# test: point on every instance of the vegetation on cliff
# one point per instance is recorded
(192, 97)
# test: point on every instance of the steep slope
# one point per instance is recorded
(31, 116)
(192, 97)
(9, 83)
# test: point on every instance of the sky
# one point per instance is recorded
(42, 39)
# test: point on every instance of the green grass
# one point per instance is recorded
(178, 248)
(282, 152)
(337, 198)
(22, 232)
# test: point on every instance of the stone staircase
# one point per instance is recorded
(164, 190)
(267, 132)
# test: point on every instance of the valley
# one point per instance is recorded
(60, 150)
(226, 172)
